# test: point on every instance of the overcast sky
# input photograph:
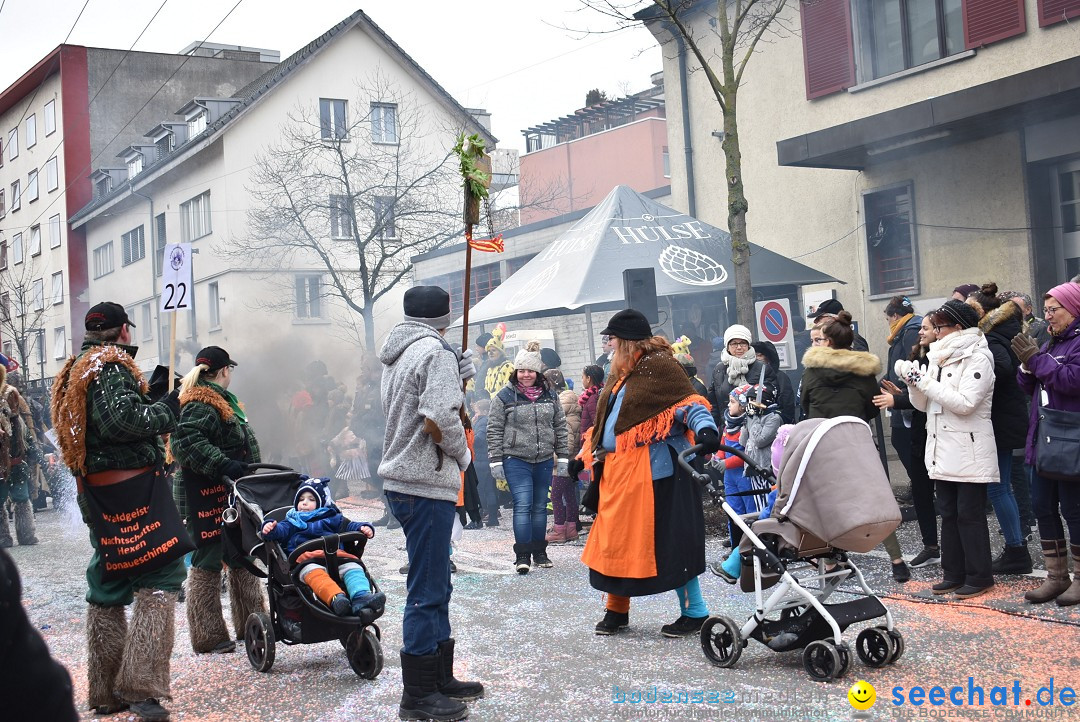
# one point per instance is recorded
(508, 56)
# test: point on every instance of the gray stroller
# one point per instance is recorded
(833, 498)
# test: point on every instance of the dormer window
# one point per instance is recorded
(103, 186)
(135, 166)
(164, 146)
(197, 125)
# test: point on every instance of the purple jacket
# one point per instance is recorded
(1055, 368)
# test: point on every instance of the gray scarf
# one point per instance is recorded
(737, 366)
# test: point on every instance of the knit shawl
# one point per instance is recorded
(69, 399)
(655, 388)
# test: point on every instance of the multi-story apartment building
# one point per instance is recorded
(77, 109)
(903, 147)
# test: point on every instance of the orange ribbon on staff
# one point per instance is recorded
(485, 245)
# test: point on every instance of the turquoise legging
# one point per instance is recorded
(691, 603)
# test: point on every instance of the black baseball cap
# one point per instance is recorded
(829, 305)
(106, 315)
(215, 357)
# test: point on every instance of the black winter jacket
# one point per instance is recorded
(1009, 410)
(839, 382)
(899, 350)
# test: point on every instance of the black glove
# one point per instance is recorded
(575, 467)
(172, 400)
(234, 469)
(709, 438)
(590, 500)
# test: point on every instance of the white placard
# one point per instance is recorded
(176, 286)
(774, 324)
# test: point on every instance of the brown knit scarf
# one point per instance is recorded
(895, 328)
(69, 399)
(654, 387)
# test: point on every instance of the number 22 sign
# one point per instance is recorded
(176, 284)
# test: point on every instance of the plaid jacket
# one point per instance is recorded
(123, 427)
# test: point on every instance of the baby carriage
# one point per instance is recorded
(296, 616)
(834, 498)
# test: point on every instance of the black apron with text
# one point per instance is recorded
(206, 500)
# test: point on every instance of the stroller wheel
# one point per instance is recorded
(822, 661)
(875, 647)
(365, 654)
(721, 641)
(844, 651)
(259, 641)
(898, 644)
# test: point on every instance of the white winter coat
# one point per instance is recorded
(956, 391)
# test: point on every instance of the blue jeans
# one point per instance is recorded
(1052, 501)
(1003, 501)
(529, 484)
(427, 524)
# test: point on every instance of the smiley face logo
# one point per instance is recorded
(862, 695)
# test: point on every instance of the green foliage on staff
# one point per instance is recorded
(470, 149)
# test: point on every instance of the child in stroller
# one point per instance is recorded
(314, 516)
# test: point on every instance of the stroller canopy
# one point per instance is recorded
(832, 484)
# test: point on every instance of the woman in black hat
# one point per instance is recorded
(649, 533)
(212, 439)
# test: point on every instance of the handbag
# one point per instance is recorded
(1057, 443)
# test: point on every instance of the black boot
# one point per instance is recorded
(539, 555)
(1013, 560)
(448, 685)
(421, 698)
(523, 560)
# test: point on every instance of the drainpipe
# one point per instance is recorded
(688, 143)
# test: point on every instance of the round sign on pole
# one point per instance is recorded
(773, 321)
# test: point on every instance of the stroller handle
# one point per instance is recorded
(704, 479)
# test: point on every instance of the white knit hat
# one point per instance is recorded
(737, 331)
(528, 358)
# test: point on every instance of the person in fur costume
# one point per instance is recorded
(649, 533)
(19, 453)
(213, 439)
(315, 515)
(109, 431)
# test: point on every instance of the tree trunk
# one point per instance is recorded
(367, 313)
(737, 206)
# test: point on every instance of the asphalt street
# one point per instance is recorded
(530, 640)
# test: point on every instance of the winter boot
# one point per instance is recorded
(448, 684)
(539, 555)
(1071, 595)
(144, 677)
(523, 560)
(245, 598)
(571, 530)
(6, 541)
(206, 624)
(1057, 572)
(557, 535)
(24, 523)
(106, 632)
(1013, 560)
(421, 698)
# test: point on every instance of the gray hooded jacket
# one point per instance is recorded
(420, 380)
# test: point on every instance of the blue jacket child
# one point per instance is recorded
(315, 516)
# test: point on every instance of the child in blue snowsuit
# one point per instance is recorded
(314, 517)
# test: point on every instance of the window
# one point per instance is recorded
(16, 195)
(890, 240)
(31, 131)
(13, 144)
(132, 246)
(31, 187)
(159, 249)
(195, 218)
(58, 288)
(37, 294)
(895, 35)
(1, 152)
(35, 240)
(39, 345)
(134, 166)
(3, 203)
(332, 119)
(102, 186)
(516, 264)
(309, 296)
(3, 255)
(16, 249)
(164, 323)
(341, 225)
(54, 231)
(147, 323)
(196, 125)
(485, 279)
(215, 309)
(385, 223)
(665, 159)
(384, 123)
(52, 179)
(50, 118)
(5, 312)
(103, 260)
(59, 343)
(164, 146)
(9, 349)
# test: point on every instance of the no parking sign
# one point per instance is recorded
(774, 324)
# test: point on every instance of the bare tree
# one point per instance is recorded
(354, 190)
(738, 26)
(23, 313)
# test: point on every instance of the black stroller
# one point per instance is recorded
(296, 615)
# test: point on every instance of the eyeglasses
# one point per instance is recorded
(937, 329)
(817, 340)
(739, 343)
(1050, 310)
